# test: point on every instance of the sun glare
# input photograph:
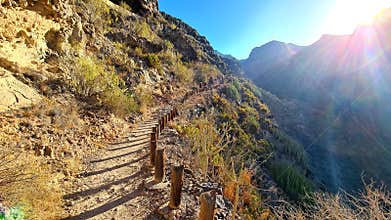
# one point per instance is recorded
(348, 14)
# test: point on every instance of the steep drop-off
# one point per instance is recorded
(335, 99)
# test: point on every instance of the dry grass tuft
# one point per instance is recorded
(373, 203)
(25, 182)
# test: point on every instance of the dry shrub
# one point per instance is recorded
(63, 116)
(183, 72)
(125, 6)
(96, 11)
(203, 72)
(144, 98)
(373, 203)
(229, 191)
(207, 143)
(90, 79)
(25, 182)
(240, 190)
(118, 102)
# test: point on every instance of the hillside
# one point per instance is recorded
(116, 110)
(336, 91)
(82, 85)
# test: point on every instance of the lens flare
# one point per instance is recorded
(348, 14)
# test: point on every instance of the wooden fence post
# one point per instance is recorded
(163, 123)
(171, 115)
(156, 131)
(208, 202)
(153, 146)
(160, 124)
(159, 165)
(176, 186)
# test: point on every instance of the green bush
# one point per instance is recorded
(292, 149)
(295, 184)
(154, 61)
(143, 29)
(91, 80)
(232, 93)
(251, 125)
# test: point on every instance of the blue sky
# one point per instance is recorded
(235, 27)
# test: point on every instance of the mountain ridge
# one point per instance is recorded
(338, 78)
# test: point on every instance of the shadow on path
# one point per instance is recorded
(122, 155)
(92, 173)
(102, 187)
(104, 208)
(130, 145)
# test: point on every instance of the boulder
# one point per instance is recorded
(77, 35)
(15, 94)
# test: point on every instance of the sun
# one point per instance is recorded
(348, 14)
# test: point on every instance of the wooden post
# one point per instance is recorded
(159, 165)
(208, 202)
(176, 186)
(160, 124)
(163, 123)
(171, 115)
(153, 146)
(156, 131)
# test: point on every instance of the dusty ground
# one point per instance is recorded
(118, 182)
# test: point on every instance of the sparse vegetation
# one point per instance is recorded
(142, 29)
(144, 97)
(207, 143)
(125, 6)
(219, 159)
(203, 72)
(373, 203)
(27, 185)
(183, 72)
(91, 80)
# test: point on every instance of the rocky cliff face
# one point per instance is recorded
(233, 64)
(190, 43)
(142, 7)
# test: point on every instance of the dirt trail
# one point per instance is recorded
(118, 182)
(113, 185)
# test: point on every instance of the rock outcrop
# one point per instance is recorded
(15, 94)
(142, 7)
(190, 43)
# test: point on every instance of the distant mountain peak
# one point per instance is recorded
(268, 55)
